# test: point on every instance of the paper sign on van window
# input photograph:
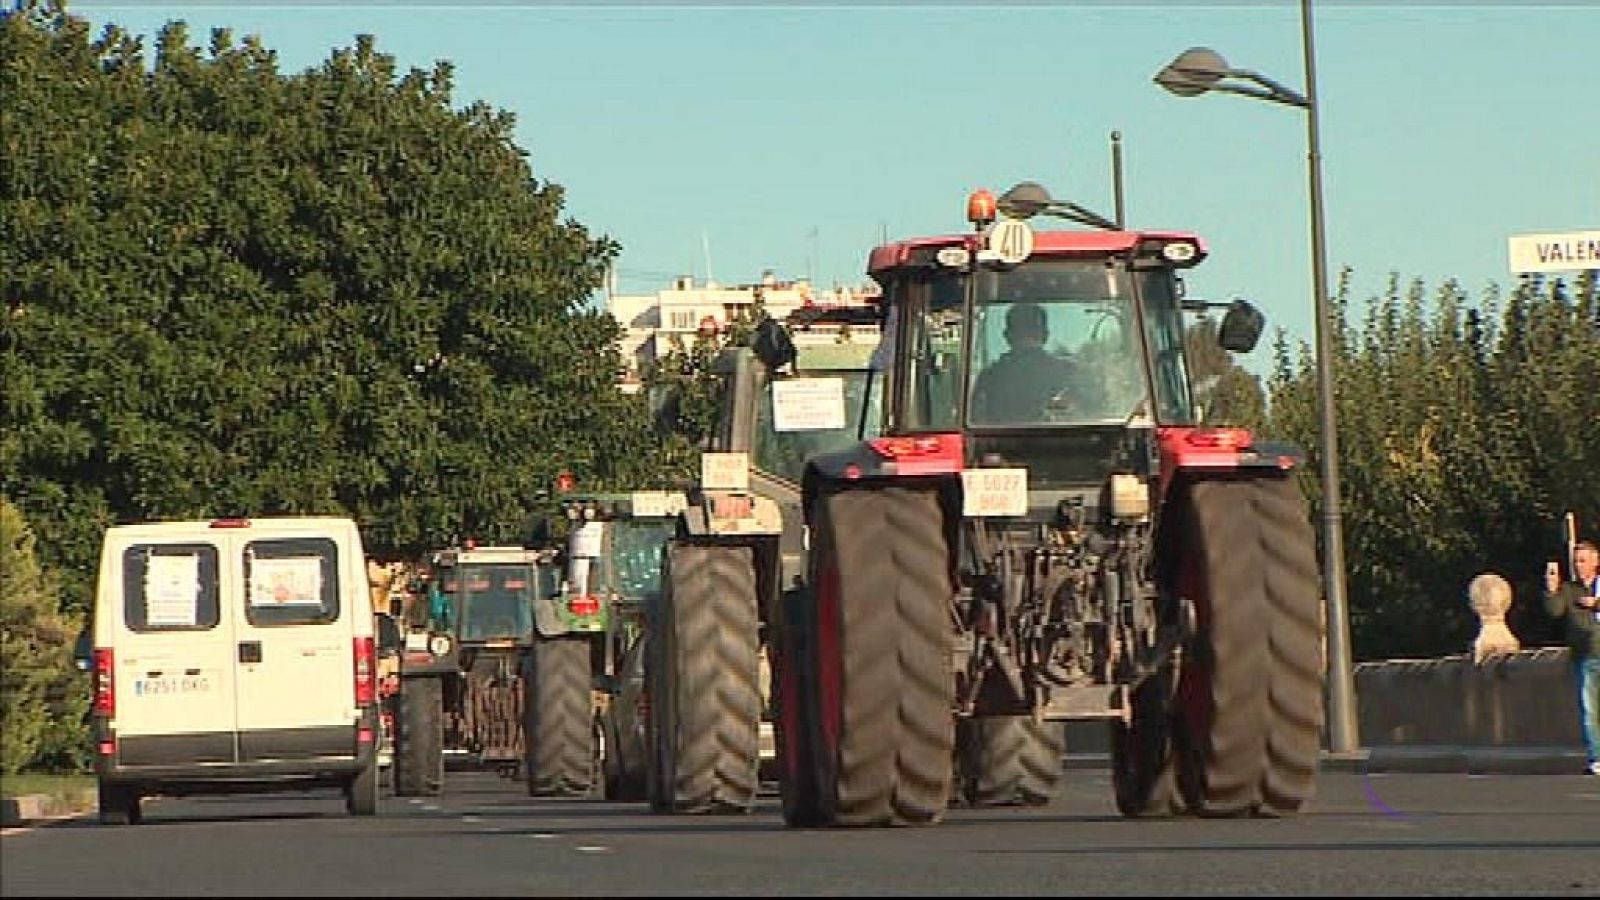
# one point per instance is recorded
(808, 404)
(172, 591)
(286, 582)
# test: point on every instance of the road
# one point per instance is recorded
(1365, 834)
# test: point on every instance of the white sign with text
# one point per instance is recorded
(808, 404)
(1570, 252)
(725, 471)
(994, 492)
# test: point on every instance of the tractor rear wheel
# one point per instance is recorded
(1250, 687)
(794, 667)
(419, 738)
(1295, 597)
(881, 705)
(703, 682)
(1009, 760)
(557, 718)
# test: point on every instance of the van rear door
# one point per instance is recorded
(294, 648)
(173, 655)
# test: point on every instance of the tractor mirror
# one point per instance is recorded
(1241, 327)
(772, 344)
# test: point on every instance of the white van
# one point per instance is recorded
(233, 656)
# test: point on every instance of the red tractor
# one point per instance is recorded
(1043, 530)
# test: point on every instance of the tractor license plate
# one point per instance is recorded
(994, 492)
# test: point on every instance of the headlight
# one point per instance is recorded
(439, 645)
(1178, 251)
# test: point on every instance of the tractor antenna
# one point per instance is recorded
(1116, 177)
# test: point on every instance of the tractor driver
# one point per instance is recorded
(1017, 388)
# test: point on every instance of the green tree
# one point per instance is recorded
(233, 290)
(42, 697)
(1227, 393)
(1464, 435)
(686, 390)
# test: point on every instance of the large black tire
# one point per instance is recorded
(793, 679)
(120, 805)
(624, 779)
(1009, 760)
(558, 726)
(704, 682)
(419, 738)
(1143, 775)
(882, 701)
(1250, 688)
(1298, 661)
(361, 793)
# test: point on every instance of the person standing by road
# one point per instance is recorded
(1578, 604)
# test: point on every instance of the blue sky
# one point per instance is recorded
(738, 138)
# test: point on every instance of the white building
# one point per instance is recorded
(650, 321)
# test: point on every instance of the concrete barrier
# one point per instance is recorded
(1523, 699)
(1514, 713)
(38, 807)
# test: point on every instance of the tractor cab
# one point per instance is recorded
(1060, 352)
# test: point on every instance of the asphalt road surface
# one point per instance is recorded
(1364, 834)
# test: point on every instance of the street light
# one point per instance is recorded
(1193, 73)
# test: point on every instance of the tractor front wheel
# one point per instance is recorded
(1009, 760)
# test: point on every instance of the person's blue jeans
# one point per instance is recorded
(1586, 670)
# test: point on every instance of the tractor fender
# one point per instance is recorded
(1193, 451)
(547, 619)
(763, 516)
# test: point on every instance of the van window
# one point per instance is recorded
(169, 587)
(291, 581)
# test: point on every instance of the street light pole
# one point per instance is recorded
(1195, 72)
(1343, 730)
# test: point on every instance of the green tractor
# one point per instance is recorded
(614, 550)
(491, 616)
(737, 559)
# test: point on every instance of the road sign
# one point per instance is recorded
(1011, 240)
(1569, 252)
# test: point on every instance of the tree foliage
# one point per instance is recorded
(1227, 393)
(42, 698)
(1465, 433)
(686, 391)
(229, 289)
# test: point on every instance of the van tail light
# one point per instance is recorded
(583, 604)
(366, 673)
(105, 682)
